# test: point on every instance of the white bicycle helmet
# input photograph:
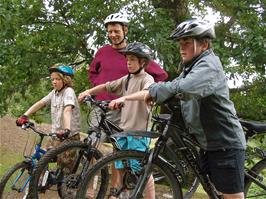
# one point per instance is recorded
(116, 18)
(193, 28)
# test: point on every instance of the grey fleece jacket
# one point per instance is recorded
(207, 110)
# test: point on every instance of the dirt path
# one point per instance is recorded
(14, 138)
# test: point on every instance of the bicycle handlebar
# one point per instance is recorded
(32, 127)
(101, 104)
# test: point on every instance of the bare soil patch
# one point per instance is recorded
(14, 138)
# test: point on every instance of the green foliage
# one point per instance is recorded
(255, 149)
(81, 79)
(18, 105)
(36, 34)
(250, 103)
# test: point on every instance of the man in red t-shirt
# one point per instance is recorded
(110, 64)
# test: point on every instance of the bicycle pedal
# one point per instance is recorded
(42, 189)
(15, 189)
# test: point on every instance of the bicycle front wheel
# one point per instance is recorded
(14, 183)
(188, 179)
(123, 180)
(64, 173)
(256, 188)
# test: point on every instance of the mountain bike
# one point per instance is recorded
(255, 176)
(188, 181)
(168, 171)
(134, 181)
(15, 182)
(87, 150)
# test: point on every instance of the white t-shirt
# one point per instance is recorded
(58, 101)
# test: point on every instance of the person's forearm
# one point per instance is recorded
(95, 90)
(34, 108)
(67, 117)
(137, 96)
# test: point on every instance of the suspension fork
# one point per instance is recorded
(143, 178)
(146, 170)
(77, 162)
(88, 154)
(13, 187)
(147, 163)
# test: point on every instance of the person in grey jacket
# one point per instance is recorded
(206, 108)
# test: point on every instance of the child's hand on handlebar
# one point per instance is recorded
(22, 120)
(83, 95)
(117, 103)
(63, 134)
(148, 99)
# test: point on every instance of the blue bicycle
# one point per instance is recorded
(14, 184)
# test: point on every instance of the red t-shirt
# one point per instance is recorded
(110, 64)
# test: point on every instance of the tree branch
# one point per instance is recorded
(178, 9)
(248, 87)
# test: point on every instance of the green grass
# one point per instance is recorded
(8, 160)
(200, 193)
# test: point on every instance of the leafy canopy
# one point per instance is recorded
(36, 34)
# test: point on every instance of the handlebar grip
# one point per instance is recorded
(89, 98)
(27, 125)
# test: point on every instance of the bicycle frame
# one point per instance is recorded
(104, 124)
(31, 161)
(253, 179)
(184, 144)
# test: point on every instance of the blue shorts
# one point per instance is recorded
(132, 143)
(225, 169)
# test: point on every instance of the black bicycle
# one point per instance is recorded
(188, 180)
(87, 153)
(134, 181)
(255, 170)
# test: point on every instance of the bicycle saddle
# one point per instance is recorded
(254, 126)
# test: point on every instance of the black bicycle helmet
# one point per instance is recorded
(139, 49)
(193, 28)
(65, 70)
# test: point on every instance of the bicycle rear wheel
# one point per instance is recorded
(14, 183)
(167, 187)
(252, 190)
(62, 180)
